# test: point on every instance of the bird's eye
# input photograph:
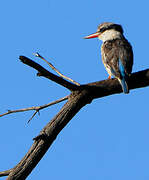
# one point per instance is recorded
(102, 30)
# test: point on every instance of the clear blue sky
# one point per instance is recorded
(106, 140)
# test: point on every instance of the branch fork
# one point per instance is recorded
(35, 108)
(79, 97)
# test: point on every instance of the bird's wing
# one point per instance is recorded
(126, 56)
(118, 57)
(110, 58)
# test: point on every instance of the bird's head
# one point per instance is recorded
(107, 31)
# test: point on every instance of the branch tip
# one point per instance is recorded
(32, 116)
(22, 58)
(56, 70)
(36, 108)
(36, 54)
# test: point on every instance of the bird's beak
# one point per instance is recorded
(92, 36)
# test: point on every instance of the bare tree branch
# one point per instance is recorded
(47, 105)
(79, 97)
(5, 173)
(48, 135)
(43, 72)
(56, 70)
(36, 108)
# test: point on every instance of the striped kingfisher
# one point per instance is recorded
(116, 52)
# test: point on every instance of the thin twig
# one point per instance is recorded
(5, 173)
(36, 108)
(56, 70)
(32, 116)
(53, 77)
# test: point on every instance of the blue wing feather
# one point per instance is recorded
(123, 79)
(124, 85)
(121, 68)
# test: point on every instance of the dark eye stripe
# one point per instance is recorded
(103, 29)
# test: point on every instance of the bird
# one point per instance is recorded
(116, 52)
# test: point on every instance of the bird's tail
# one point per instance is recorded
(124, 85)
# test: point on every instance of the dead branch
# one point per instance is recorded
(79, 97)
(5, 173)
(35, 108)
(43, 72)
(56, 70)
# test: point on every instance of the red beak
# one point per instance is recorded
(92, 36)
